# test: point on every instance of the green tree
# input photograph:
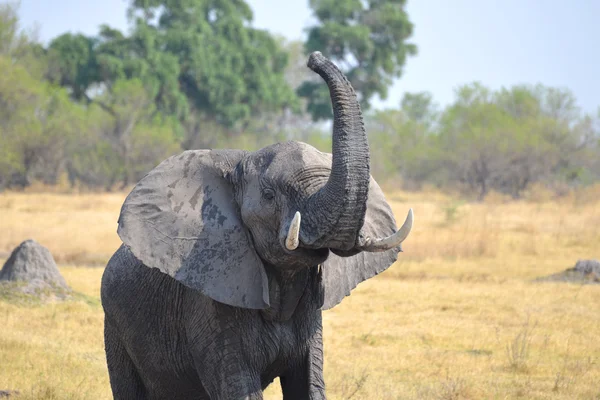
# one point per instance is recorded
(420, 108)
(18, 44)
(475, 135)
(403, 142)
(12, 38)
(37, 123)
(192, 57)
(367, 39)
(124, 139)
(72, 63)
(508, 139)
(228, 70)
(141, 56)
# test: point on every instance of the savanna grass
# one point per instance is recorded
(457, 317)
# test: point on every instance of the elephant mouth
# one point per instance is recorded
(320, 254)
(292, 242)
(309, 255)
(312, 254)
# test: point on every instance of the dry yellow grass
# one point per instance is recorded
(457, 317)
(75, 227)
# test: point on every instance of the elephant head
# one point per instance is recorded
(219, 220)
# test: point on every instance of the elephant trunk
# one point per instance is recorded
(334, 215)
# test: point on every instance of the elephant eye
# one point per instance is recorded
(268, 194)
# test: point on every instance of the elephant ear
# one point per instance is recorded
(342, 274)
(182, 219)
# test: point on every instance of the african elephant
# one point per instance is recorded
(229, 258)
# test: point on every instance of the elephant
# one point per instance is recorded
(229, 257)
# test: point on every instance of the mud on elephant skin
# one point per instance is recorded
(229, 258)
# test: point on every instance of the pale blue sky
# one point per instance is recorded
(498, 43)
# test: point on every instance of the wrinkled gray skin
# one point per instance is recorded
(204, 301)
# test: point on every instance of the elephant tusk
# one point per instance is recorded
(391, 241)
(292, 240)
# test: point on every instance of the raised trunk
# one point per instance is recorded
(334, 215)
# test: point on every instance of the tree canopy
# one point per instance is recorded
(201, 56)
(368, 39)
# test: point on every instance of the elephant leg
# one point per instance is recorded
(124, 379)
(305, 381)
(224, 374)
(225, 383)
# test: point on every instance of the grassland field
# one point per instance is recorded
(457, 317)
